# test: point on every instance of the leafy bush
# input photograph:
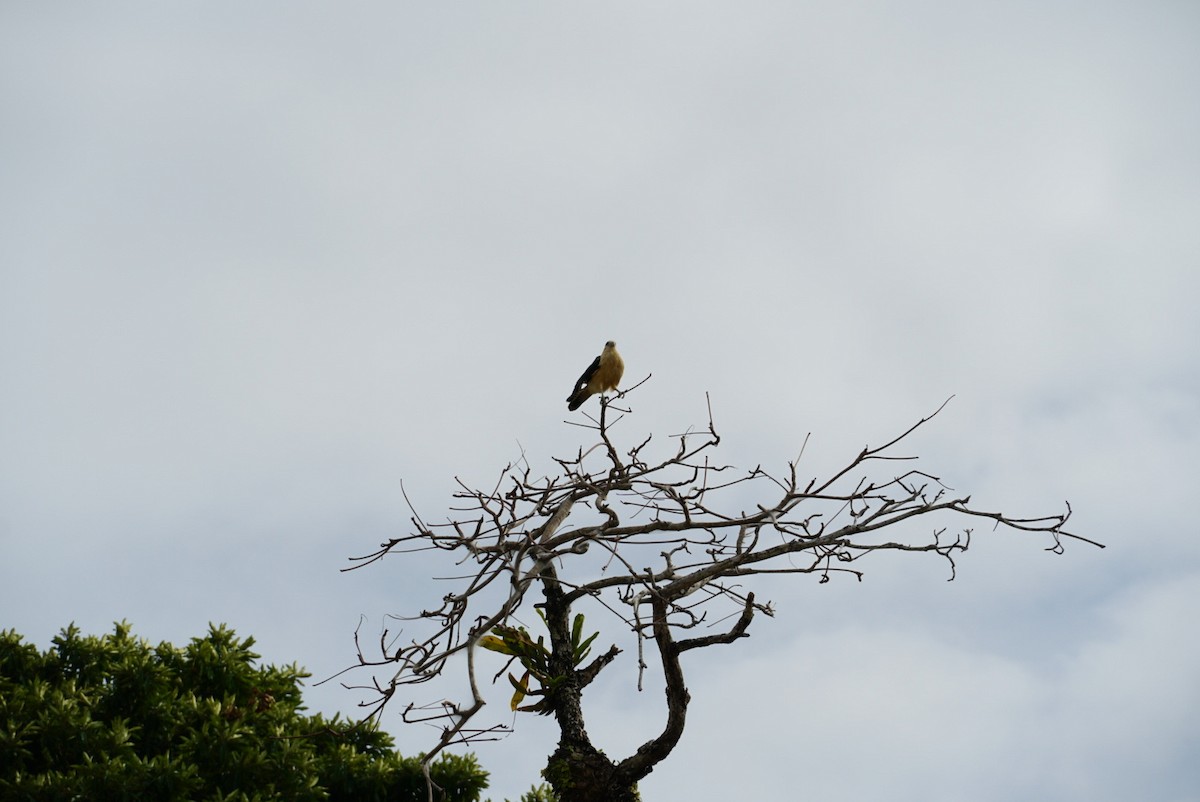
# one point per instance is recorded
(114, 718)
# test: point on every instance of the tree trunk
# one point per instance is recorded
(577, 771)
(585, 775)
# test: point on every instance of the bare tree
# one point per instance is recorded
(653, 540)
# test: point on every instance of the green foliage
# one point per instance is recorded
(535, 659)
(539, 793)
(114, 718)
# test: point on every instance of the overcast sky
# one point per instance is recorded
(261, 262)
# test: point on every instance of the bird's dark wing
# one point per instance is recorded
(587, 376)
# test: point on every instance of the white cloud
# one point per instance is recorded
(852, 712)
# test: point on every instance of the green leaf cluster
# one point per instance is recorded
(539, 793)
(115, 718)
(534, 657)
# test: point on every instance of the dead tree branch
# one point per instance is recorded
(656, 542)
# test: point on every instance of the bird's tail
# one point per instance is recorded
(577, 398)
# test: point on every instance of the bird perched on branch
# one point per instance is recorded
(601, 376)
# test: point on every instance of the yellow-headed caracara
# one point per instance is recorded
(601, 376)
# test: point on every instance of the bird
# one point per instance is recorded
(601, 376)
